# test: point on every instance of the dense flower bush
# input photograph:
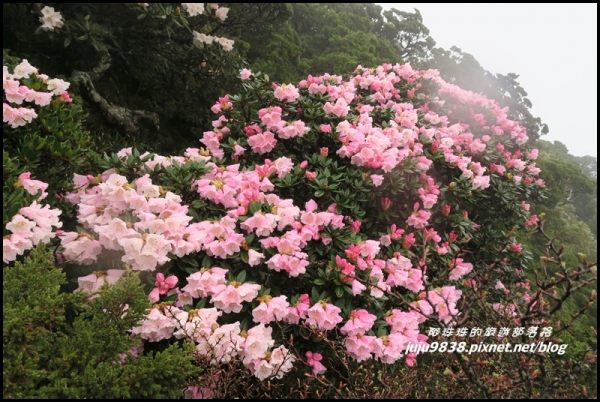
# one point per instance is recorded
(356, 212)
(43, 137)
(341, 154)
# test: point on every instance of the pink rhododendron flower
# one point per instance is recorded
(245, 74)
(262, 143)
(92, 283)
(314, 360)
(298, 311)
(359, 322)
(459, 268)
(17, 117)
(324, 316)
(376, 179)
(163, 284)
(286, 93)
(360, 346)
(254, 257)
(271, 309)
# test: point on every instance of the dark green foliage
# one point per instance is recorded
(321, 38)
(139, 59)
(57, 345)
(411, 35)
(570, 180)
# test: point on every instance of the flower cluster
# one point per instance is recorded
(32, 224)
(200, 39)
(194, 9)
(157, 224)
(92, 283)
(16, 93)
(50, 19)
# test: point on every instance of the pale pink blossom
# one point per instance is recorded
(324, 316)
(245, 74)
(254, 257)
(286, 93)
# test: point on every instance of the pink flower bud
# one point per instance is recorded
(446, 209)
(517, 248)
(65, 97)
(385, 203)
(355, 226)
(470, 283)
(249, 131)
(408, 241)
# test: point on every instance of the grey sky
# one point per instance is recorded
(553, 48)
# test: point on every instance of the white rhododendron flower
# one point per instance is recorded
(193, 9)
(50, 19)
(221, 13)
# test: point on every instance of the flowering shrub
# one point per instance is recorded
(31, 224)
(284, 222)
(333, 212)
(42, 136)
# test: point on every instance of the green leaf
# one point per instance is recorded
(151, 281)
(314, 295)
(207, 262)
